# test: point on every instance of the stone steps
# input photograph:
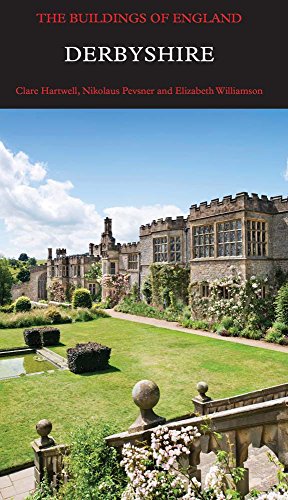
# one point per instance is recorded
(53, 357)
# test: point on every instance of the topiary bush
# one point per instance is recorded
(82, 298)
(50, 336)
(281, 305)
(90, 357)
(32, 337)
(23, 304)
(39, 337)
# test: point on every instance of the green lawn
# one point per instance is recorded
(175, 360)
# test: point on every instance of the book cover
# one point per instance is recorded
(143, 244)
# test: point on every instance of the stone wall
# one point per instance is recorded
(212, 269)
(30, 288)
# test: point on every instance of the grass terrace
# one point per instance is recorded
(175, 360)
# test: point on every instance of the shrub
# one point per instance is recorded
(139, 308)
(195, 324)
(23, 304)
(9, 308)
(82, 298)
(250, 333)
(93, 466)
(37, 337)
(84, 315)
(88, 357)
(53, 315)
(171, 315)
(35, 317)
(278, 333)
(234, 331)
(281, 303)
(99, 313)
(227, 322)
(116, 286)
(169, 283)
(223, 332)
(147, 290)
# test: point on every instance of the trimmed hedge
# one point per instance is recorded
(90, 357)
(39, 337)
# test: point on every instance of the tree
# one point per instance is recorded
(13, 262)
(32, 261)
(24, 257)
(6, 282)
(23, 275)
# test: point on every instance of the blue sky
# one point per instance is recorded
(136, 159)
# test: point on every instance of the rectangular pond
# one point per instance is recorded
(23, 364)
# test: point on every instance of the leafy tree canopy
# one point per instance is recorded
(24, 257)
(6, 282)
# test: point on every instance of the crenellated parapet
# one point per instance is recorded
(127, 248)
(167, 224)
(39, 268)
(242, 201)
(61, 252)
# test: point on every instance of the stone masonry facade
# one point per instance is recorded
(247, 232)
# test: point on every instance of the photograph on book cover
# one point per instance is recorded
(143, 250)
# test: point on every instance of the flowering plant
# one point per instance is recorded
(246, 301)
(117, 286)
(161, 470)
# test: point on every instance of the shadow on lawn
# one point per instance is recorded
(111, 369)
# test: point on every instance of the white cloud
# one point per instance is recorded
(127, 220)
(39, 212)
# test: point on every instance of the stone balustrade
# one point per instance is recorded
(204, 405)
(258, 418)
(252, 423)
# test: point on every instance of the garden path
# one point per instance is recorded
(17, 485)
(171, 325)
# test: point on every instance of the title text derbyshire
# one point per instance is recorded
(91, 54)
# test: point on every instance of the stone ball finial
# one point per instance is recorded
(44, 427)
(146, 394)
(202, 388)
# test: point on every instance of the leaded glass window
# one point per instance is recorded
(229, 237)
(133, 261)
(256, 238)
(175, 249)
(203, 241)
(160, 249)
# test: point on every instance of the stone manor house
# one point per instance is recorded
(247, 232)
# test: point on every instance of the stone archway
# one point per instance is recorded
(42, 286)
